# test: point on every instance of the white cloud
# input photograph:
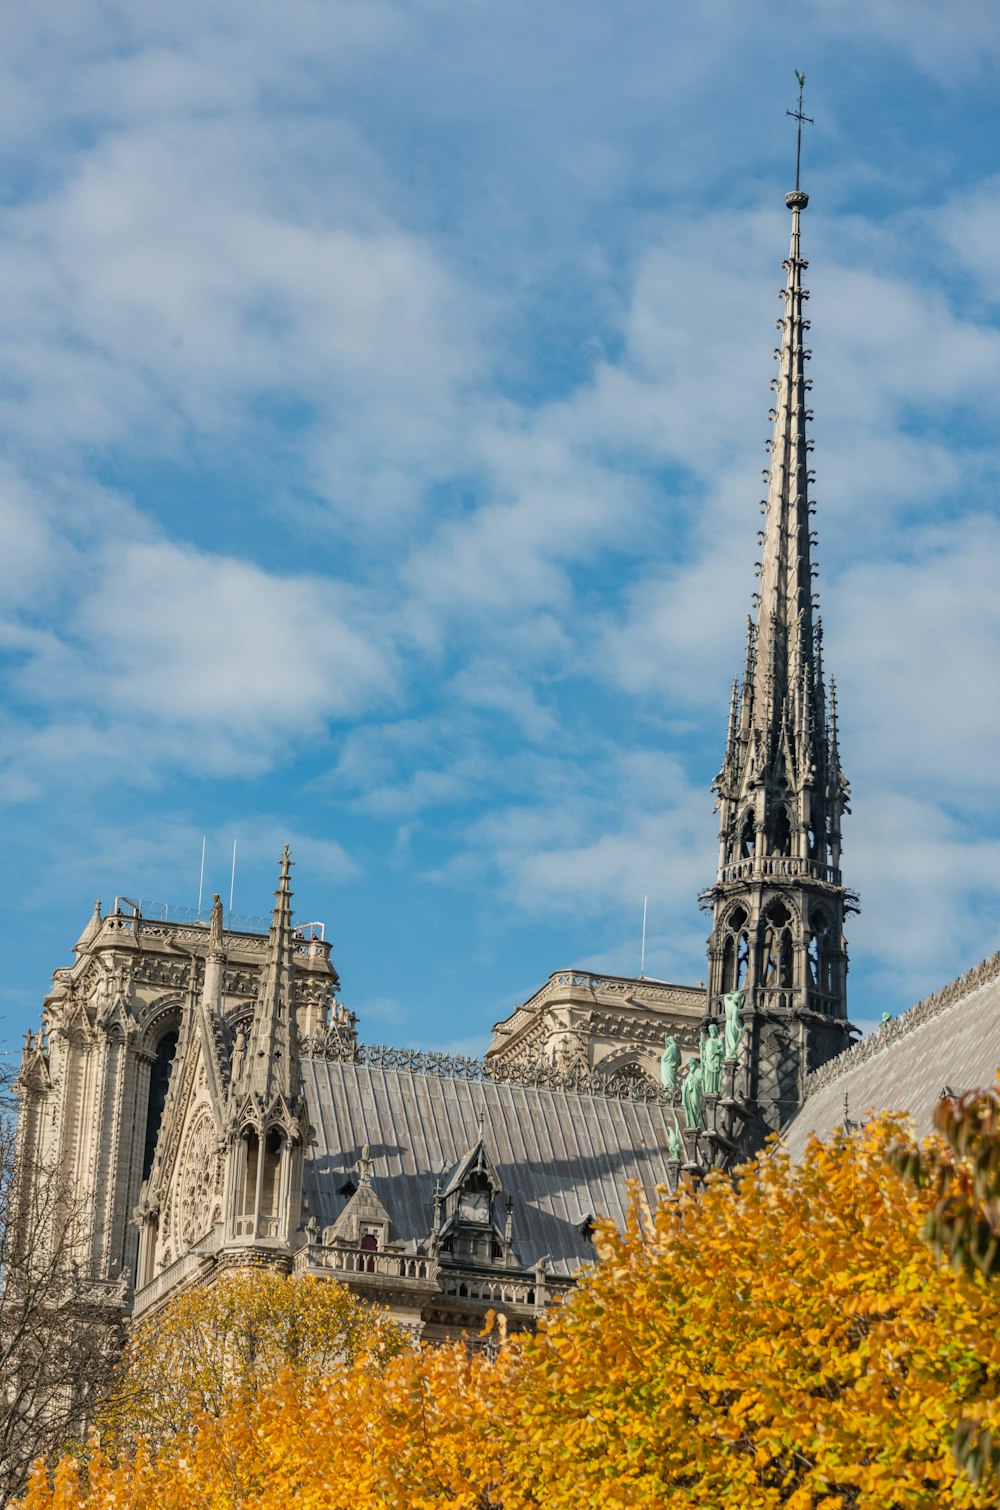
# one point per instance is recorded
(916, 647)
(471, 313)
(930, 892)
(952, 44)
(176, 657)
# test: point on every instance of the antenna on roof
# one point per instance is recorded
(642, 956)
(201, 878)
(232, 881)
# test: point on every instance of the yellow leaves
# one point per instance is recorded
(224, 1343)
(787, 1342)
(797, 1325)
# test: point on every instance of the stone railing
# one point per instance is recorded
(338, 1046)
(366, 1263)
(195, 934)
(779, 867)
(465, 1285)
(191, 1262)
(235, 940)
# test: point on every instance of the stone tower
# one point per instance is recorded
(778, 903)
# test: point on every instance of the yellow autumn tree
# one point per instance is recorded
(221, 1345)
(790, 1341)
(962, 1174)
(420, 1432)
(785, 1340)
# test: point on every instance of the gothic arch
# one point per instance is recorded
(744, 836)
(630, 1058)
(781, 830)
(157, 1017)
(735, 949)
(777, 952)
(160, 1028)
(821, 951)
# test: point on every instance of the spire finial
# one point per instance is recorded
(272, 1067)
(797, 115)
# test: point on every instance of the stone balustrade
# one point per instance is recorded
(361, 1264)
(168, 1279)
(769, 867)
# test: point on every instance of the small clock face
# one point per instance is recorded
(474, 1206)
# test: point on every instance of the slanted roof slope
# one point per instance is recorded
(951, 1039)
(560, 1155)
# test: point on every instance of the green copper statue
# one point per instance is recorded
(674, 1144)
(711, 1061)
(691, 1093)
(670, 1063)
(734, 1028)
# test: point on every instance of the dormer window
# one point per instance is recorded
(465, 1223)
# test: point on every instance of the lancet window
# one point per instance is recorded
(269, 1174)
(820, 953)
(735, 951)
(781, 832)
(776, 951)
(159, 1080)
(250, 1182)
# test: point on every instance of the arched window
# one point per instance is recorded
(250, 1183)
(269, 1180)
(748, 834)
(735, 951)
(781, 833)
(159, 1080)
(819, 955)
(776, 953)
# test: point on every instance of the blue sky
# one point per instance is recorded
(383, 395)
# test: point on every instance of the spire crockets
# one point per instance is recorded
(784, 681)
(270, 1074)
(778, 902)
(780, 728)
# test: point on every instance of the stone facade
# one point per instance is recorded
(206, 1091)
(615, 1025)
(94, 1079)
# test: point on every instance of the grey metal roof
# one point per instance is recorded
(560, 1155)
(951, 1039)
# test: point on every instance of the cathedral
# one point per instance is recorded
(207, 1096)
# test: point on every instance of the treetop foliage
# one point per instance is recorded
(787, 1340)
(219, 1347)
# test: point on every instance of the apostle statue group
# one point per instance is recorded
(704, 1070)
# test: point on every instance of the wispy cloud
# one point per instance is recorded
(383, 400)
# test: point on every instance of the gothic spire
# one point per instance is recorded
(785, 669)
(271, 1072)
(779, 903)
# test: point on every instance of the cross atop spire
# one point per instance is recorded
(797, 115)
